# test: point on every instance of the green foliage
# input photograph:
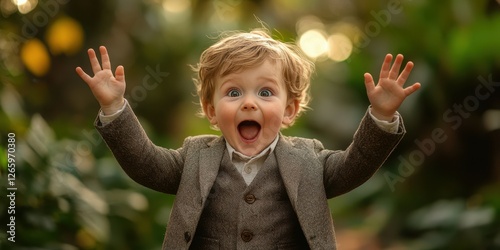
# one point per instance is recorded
(67, 198)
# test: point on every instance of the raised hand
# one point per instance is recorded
(107, 88)
(389, 93)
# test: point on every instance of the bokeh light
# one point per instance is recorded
(65, 35)
(25, 6)
(19, 2)
(35, 57)
(313, 43)
(339, 47)
(325, 41)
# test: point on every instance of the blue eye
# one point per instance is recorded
(233, 93)
(265, 93)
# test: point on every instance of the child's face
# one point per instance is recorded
(250, 107)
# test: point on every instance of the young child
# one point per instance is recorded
(252, 187)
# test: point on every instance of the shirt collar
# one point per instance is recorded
(269, 149)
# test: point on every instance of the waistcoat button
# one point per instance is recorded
(187, 236)
(250, 198)
(246, 235)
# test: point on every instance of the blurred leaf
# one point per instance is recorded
(441, 214)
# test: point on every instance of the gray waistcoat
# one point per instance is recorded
(258, 216)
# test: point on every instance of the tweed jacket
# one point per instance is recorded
(311, 174)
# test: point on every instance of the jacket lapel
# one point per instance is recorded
(210, 160)
(304, 184)
(290, 165)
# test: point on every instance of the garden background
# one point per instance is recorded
(440, 189)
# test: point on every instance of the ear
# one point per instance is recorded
(291, 110)
(209, 111)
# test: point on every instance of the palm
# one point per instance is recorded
(388, 94)
(107, 88)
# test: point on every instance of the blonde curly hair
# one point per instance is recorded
(237, 51)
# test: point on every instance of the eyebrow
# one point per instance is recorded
(229, 78)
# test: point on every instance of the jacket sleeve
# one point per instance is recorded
(149, 165)
(348, 169)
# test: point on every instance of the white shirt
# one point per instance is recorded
(249, 166)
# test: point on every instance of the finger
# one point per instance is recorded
(120, 74)
(386, 65)
(369, 83)
(396, 66)
(405, 74)
(94, 63)
(411, 89)
(86, 78)
(106, 64)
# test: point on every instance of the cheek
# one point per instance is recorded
(275, 119)
(222, 110)
(225, 114)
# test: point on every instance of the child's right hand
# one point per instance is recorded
(109, 90)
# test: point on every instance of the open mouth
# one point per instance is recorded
(249, 130)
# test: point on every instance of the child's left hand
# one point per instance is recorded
(388, 94)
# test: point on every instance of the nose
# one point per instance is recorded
(249, 104)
